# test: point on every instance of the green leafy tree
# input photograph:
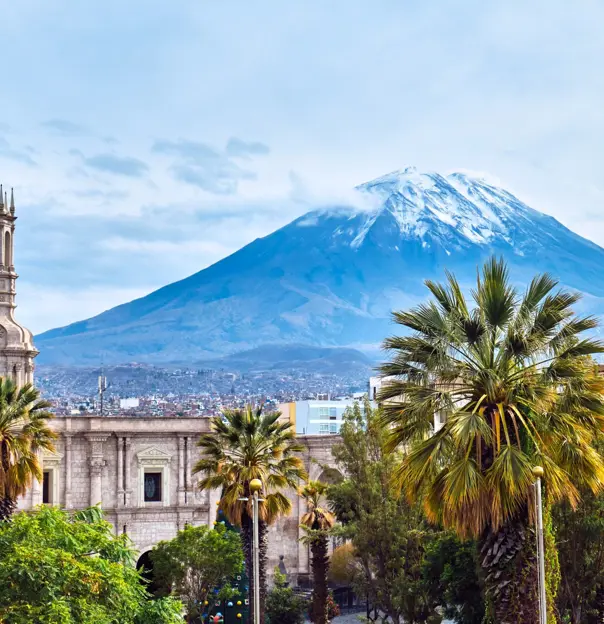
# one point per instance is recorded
(244, 445)
(24, 431)
(343, 565)
(580, 539)
(283, 605)
(57, 568)
(196, 562)
(449, 569)
(512, 374)
(317, 523)
(389, 536)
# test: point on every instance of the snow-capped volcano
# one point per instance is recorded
(333, 276)
(429, 206)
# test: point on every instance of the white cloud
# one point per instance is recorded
(513, 88)
(48, 307)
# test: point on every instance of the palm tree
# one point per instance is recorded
(244, 445)
(23, 432)
(514, 378)
(317, 521)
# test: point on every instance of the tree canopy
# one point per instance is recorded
(196, 562)
(513, 377)
(24, 431)
(61, 568)
(479, 392)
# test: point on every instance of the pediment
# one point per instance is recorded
(48, 457)
(153, 453)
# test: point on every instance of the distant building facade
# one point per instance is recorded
(140, 471)
(316, 417)
(131, 403)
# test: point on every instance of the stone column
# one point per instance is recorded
(96, 467)
(29, 372)
(181, 471)
(128, 479)
(96, 481)
(18, 368)
(68, 460)
(36, 489)
(303, 558)
(190, 494)
(119, 501)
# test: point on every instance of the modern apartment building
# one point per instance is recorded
(316, 417)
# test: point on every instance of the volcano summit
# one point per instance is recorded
(333, 276)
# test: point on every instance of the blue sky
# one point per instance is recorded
(147, 139)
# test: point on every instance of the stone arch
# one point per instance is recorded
(145, 567)
(327, 473)
(330, 475)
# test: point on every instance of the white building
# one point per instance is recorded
(129, 403)
(316, 417)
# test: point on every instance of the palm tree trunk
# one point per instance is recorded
(509, 562)
(320, 564)
(263, 556)
(7, 508)
(7, 503)
(247, 537)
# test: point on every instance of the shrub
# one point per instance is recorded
(283, 606)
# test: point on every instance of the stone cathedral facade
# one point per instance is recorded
(138, 469)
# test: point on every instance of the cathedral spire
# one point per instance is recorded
(17, 349)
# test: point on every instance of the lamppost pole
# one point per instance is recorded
(538, 472)
(255, 487)
(256, 563)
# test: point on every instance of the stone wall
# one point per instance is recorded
(103, 460)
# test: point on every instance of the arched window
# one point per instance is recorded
(7, 250)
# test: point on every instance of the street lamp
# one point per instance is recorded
(538, 472)
(255, 487)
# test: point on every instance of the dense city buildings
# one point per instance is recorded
(141, 390)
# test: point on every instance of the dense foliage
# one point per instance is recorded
(283, 606)
(449, 569)
(24, 431)
(580, 539)
(57, 568)
(196, 562)
(511, 375)
(244, 445)
(388, 535)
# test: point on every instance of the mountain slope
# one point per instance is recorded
(332, 277)
(332, 360)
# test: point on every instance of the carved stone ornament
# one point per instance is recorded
(153, 456)
(51, 459)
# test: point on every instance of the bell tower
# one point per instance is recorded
(17, 349)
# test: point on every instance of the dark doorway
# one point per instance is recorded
(145, 568)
